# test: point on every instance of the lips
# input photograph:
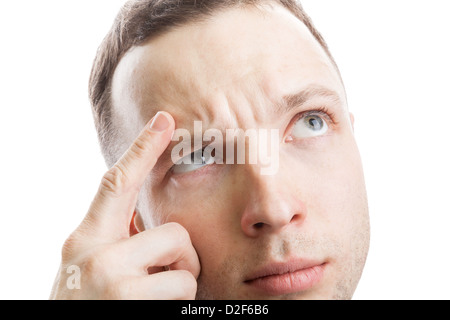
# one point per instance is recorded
(294, 276)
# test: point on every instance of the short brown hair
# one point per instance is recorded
(139, 21)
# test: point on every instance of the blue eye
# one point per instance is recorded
(310, 126)
(192, 162)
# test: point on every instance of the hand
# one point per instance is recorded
(115, 265)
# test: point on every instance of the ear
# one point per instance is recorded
(136, 224)
(352, 119)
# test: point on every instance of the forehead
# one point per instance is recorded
(244, 58)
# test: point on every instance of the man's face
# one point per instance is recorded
(233, 71)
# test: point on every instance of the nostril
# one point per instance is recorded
(258, 226)
(295, 218)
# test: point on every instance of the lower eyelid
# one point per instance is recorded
(196, 174)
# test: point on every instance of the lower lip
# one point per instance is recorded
(288, 283)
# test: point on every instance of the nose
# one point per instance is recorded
(271, 206)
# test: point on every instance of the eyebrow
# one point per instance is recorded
(298, 99)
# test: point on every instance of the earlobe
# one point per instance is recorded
(134, 228)
(352, 119)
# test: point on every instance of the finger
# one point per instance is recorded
(114, 204)
(168, 285)
(167, 245)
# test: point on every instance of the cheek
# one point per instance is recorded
(205, 210)
(342, 200)
(334, 191)
(330, 181)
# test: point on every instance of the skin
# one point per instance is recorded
(217, 225)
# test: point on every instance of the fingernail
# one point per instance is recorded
(160, 123)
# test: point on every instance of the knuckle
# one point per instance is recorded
(69, 247)
(98, 261)
(179, 233)
(98, 269)
(74, 245)
(118, 289)
(114, 181)
(187, 285)
(79, 241)
(139, 147)
(92, 265)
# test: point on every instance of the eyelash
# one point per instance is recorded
(193, 172)
(324, 111)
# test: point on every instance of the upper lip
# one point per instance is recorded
(279, 268)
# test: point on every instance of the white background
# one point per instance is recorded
(395, 60)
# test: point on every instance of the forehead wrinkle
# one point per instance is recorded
(243, 105)
(240, 105)
(181, 103)
(230, 99)
(262, 105)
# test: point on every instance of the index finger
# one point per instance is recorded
(114, 204)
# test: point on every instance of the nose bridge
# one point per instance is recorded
(270, 205)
